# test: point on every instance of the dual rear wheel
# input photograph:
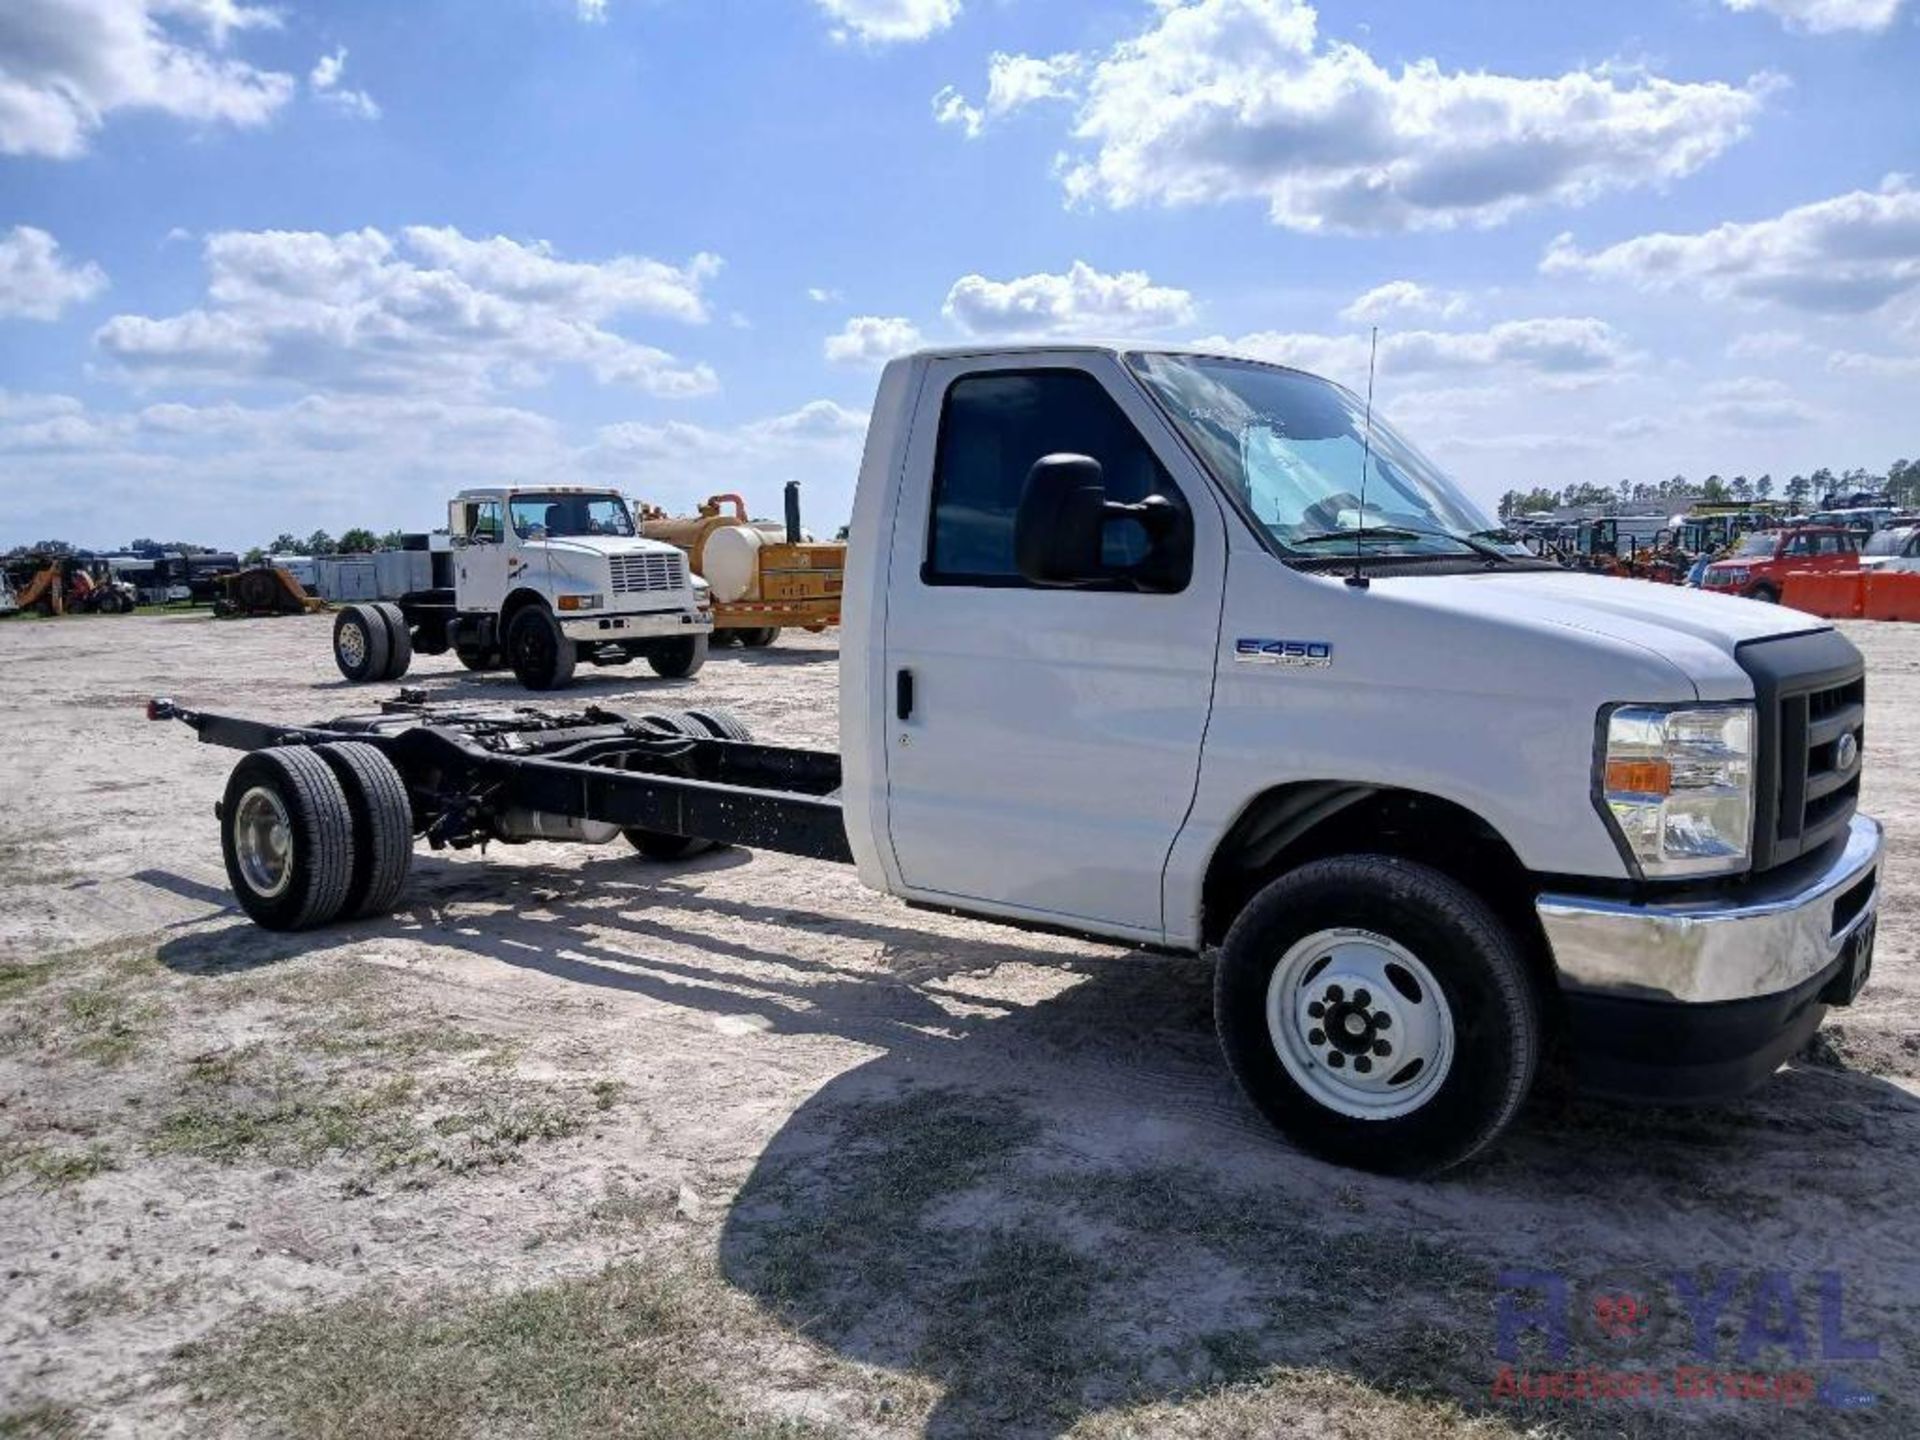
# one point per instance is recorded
(372, 642)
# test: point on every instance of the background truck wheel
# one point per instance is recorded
(759, 639)
(542, 657)
(1379, 1013)
(480, 659)
(360, 645)
(678, 659)
(720, 724)
(286, 831)
(1764, 592)
(399, 640)
(382, 826)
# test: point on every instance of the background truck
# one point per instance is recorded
(765, 577)
(1758, 568)
(1188, 651)
(538, 578)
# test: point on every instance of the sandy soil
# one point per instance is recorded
(940, 1176)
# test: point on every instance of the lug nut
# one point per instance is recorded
(1316, 1037)
(1316, 1009)
(1336, 1059)
(1362, 999)
(1362, 1064)
(1382, 1020)
(1335, 994)
(1382, 1049)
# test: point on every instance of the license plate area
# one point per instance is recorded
(1857, 958)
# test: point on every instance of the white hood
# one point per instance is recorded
(1696, 630)
(607, 545)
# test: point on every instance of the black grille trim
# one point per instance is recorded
(1809, 691)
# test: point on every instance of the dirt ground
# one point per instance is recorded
(579, 1144)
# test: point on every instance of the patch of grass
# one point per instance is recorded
(40, 1420)
(1305, 1401)
(107, 1026)
(625, 1354)
(242, 1106)
(58, 1169)
(22, 979)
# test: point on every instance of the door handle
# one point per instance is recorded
(903, 694)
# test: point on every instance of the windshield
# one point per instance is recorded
(1761, 543)
(1887, 542)
(1294, 447)
(561, 516)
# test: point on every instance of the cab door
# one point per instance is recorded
(480, 562)
(1043, 744)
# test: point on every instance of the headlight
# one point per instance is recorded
(1678, 786)
(582, 602)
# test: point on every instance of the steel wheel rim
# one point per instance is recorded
(263, 842)
(1360, 1023)
(353, 645)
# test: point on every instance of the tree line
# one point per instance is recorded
(358, 541)
(1901, 483)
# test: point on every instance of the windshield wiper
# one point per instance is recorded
(1401, 532)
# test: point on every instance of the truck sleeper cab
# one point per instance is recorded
(542, 577)
(1188, 651)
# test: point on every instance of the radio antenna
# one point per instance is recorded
(1357, 580)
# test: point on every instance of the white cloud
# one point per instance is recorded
(1892, 367)
(35, 282)
(1406, 297)
(822, 295)
(1823, 17)
(870, 339)
(593, 12)
(882, 22)
(439, 310)
(1765, 344)
(1083, 301)
(1748, 403)
(1563, 347)
(67, 65)
(1847, 255)
(1013, 82)
(1221, 100)
(325, 83)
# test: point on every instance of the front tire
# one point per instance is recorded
(286, 833)
(1379, 1013)
(1765, 593)
(360, 645)
(542, 657)
(678, 659)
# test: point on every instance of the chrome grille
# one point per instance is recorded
(654, 571)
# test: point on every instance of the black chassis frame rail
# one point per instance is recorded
(596, 765)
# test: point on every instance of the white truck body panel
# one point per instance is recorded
(1068, 747)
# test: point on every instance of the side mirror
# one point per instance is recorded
(1056, 530)
(1059, 529)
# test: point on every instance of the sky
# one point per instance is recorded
(272, 267)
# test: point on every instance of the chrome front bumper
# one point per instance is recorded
(595, 628)
(1762, 939)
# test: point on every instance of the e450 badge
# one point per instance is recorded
(1300, 653)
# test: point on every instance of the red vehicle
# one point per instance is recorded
(1756, 567)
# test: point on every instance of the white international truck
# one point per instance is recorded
(1184, 651)
(539, 578)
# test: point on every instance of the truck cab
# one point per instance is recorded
(1757, 569)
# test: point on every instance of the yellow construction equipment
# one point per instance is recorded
(764, 575)
(264, 590)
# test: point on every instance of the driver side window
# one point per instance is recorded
(484, 525)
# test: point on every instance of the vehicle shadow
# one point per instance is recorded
(1056, 1208)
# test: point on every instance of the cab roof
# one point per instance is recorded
(502, 492)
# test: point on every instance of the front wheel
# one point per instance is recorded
(678, 659)
(1766, 593)
(1379, 1013)
(542, 657)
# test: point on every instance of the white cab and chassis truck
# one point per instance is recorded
(1176, 649)
(542, 577)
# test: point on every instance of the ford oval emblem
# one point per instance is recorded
(1846, 752)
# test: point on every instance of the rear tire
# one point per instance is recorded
(360, 645)
(720, 724)
(1766, 593)
(382, 826)
(481, 660)
(286, 833)
(399, 640)
(678, 659)
(759, 639)
(542, 657)
(1303, 1032)
(659, 845)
